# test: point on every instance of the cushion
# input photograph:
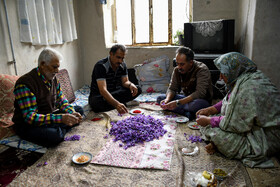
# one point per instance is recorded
(65, 84)
(153, 74)
(7, 98)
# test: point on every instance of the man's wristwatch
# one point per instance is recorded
(178, 103)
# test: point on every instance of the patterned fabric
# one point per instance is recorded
(232, 65)
(82, 99)
(7, 99)
(17, 142)
(156, 154)
(66, 85)
(153, 74)
(148, 97)
(250, 130)
(28, 104)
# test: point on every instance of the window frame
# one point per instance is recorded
(133, 29)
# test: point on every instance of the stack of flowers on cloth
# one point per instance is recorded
(139, 142)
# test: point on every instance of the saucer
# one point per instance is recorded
(82, 158)
(194, 125)
(136, 111)
(182, 119)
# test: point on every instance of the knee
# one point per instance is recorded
(160, 98)
(197, 105)
(56, 138)
(139, 90)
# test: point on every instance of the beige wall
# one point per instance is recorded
(266, 39)
(26, 55)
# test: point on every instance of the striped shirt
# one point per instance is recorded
(28, 104)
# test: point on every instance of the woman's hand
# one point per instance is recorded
(203, 120)
(207, 111)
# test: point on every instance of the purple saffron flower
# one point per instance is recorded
(46, 163)
(106, 136)
(194, 139)
(72, 138)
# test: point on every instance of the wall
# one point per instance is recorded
(26, 55)
(92, 47)
(266, 43)
(247, 20)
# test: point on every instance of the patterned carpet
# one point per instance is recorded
(13, 162)
(60, 170)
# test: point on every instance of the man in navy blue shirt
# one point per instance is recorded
(110, 87)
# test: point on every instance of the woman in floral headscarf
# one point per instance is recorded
(248, 127)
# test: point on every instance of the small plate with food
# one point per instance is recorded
(136, 111)
(82, 158)
(220, 174)
(182, 119)
(194, 125)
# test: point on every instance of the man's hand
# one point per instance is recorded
(133, 89)
(78, 115)
(70, 119)
(121, 108)
(203, 120)
(168, 106)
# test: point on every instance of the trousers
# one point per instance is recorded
(46, 135)
(188, 109)
(123, 95)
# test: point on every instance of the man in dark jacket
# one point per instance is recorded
(191, 77)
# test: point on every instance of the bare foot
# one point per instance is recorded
(210, 148)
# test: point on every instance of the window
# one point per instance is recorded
(147, 22)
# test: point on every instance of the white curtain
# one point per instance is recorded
(46, 22)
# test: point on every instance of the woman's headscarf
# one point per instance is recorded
(232, 65)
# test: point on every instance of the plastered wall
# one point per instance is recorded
(26, 55)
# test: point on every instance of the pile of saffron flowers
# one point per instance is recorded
(137, 129)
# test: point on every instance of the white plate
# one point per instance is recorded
(133, 111)
(182, 119)
(194, 125)
(77, 155)
(190, 150)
